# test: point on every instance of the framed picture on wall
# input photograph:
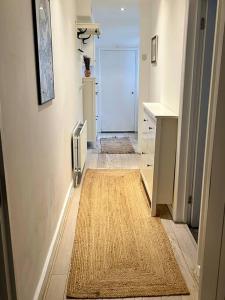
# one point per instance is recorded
(43, 47)
(154, 49)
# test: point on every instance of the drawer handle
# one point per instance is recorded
(145, 120)
(150, 128)
(149, 166)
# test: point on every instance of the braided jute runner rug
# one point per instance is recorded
(116, 145)
(119, 249)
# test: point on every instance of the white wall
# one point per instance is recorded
(149, 10)
(84, 8)
(36, 139)
(118, 29)
(162, 82)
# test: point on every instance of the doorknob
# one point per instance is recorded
(132, 93)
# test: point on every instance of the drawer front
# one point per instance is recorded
(152, 123)
(149, 134)
(146, 123)
(148, 142)
(149, 124)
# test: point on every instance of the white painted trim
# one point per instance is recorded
(190, 114)
(53, 243)
(194, 102)
(211, 125)
(185, 119)
(136, 50)
(210, 233)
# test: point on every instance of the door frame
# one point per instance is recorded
(212, 235)
(189, 113)
(209, 9)
(99, 98)
(195, 113)
(186, 111)
(6, 253)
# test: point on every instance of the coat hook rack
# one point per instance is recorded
(80, 33)
(85, 39)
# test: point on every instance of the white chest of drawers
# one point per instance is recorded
(89, 107)
(159, 146)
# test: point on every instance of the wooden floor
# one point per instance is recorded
(183, 243)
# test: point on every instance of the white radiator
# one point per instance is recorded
(79, 150)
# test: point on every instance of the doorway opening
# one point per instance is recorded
(117, 69)
(198, 128)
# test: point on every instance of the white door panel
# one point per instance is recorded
(98, 108)
(118, 90)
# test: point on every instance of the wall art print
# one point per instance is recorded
(44, 54)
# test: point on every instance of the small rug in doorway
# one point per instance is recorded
(119, 249)
(116, 145)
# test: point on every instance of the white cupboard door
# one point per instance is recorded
(89, 107)
(118, 90)
(98, 108)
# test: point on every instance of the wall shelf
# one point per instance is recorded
(92, 28)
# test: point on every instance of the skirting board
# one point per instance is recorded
(197, 271)
(53, 247)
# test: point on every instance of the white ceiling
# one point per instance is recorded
(119, 29)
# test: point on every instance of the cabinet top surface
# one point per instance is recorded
(158, 110)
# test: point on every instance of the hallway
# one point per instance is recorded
(183, 244)
(71, 71)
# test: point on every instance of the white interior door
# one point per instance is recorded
(118, 90)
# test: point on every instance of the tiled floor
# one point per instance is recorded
(183, 243)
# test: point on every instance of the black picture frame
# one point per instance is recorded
(154, 49)
(43, 50)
